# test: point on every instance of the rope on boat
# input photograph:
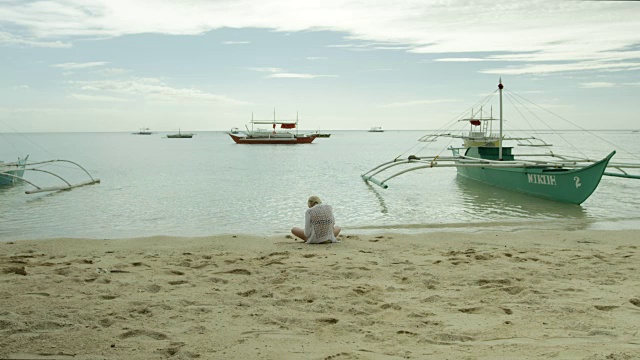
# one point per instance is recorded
(576, 125)
(516, 96)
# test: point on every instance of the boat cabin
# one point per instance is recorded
(490, 153)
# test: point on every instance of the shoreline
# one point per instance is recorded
(412, 229)
(531, 294)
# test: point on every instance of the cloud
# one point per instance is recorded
(316, 58)
(11, 39)
(279, 73)
(149, 89)
(236, 42)
(75, 66)
(416, 103)
(112, 71)
(372, 46)
(566, 67)
(85, 97)
(461, 59)
(596, 85)
(536, 36)
(267, 69)
(298, 76)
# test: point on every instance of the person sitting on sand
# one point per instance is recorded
(319, 223)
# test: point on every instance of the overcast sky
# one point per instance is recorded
(119, 65)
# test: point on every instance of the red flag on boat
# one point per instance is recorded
(288, 126)
(475, 122)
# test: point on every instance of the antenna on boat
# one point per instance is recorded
(500, 86)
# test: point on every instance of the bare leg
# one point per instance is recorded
(299, 233)
(336, 230)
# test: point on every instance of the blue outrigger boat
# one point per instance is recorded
(12, 173)
(484, 158)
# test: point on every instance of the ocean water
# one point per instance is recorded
(208, 185)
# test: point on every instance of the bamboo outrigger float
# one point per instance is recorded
(483, 158)
(13, 173)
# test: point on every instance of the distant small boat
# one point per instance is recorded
(321, 135)
(376, 129)
(180, 135)
(143, 131)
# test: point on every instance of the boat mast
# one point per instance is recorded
(500, 86)
(491, 122)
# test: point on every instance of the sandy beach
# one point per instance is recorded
(449, 295)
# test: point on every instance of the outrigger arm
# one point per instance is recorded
(466, 161)
(68, 185)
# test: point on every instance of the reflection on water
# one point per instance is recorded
(226, 186)
(383, 206)
(484, 201)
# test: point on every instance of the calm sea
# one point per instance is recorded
(209, 185)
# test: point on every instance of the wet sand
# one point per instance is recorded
(483, 295)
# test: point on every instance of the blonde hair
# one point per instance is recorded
(314, 200)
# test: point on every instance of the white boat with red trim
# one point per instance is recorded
(274, 136)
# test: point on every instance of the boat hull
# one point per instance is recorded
(9, 173)
(565, 185)
(272, 140)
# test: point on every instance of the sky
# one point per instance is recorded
(203, 65)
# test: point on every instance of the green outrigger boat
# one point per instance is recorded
(483, 158)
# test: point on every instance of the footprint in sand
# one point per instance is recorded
(444, 338)
(338, 355)
(105, 323)
(328, 320)
(65, 271)
(363, 289)
(248, 293)
(142, 332)
(176, 347)
(15, 270)
(238, 272)
(153, 288)
(405, 332)
(471, 310)
(178, 282)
